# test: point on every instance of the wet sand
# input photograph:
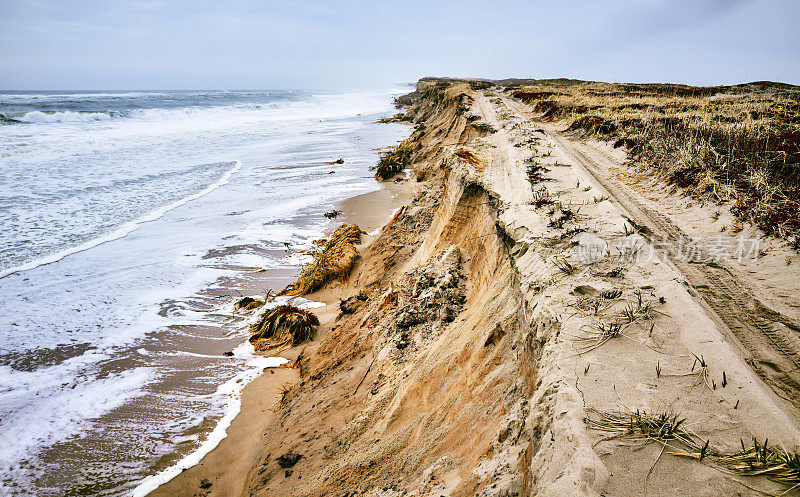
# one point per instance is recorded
(227, 466)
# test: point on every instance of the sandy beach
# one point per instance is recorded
(227, 466)
(500, 347)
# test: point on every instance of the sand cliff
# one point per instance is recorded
(490, 345)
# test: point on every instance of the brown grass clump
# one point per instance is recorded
(249, 303)
(284, 393)
(333, 261)
(643, 426)
(779, 465)
(283, 326)
(737, 144)
(392, 162)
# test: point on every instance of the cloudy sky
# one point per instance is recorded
(236, 44)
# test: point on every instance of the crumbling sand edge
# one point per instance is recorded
(493, 402)
(226, 465)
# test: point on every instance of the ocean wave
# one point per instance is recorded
(199, 106)
(125, 228)
(38, 117)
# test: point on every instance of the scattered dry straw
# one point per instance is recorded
(776, 464)
(283, 326)
(334, 261)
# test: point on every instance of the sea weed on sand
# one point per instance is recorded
(334, 261)
(283, 326)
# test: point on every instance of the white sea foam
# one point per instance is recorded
(63, 117)
(231, 389)
(124, 229)
(37, 411)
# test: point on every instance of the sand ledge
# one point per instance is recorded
(492, 396)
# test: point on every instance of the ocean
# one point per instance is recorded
(130, 221)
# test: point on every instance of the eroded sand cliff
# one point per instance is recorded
(486, 349)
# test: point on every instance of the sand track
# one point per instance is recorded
(767, 339)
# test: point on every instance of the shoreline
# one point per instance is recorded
(227, 465)
(488, 356)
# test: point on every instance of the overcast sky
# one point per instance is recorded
(238, 44)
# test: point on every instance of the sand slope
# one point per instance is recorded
(475, 360)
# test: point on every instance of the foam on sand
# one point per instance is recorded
(233, 390)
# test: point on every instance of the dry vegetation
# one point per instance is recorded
(333, 260)
(734, 144)
(392, 162)
(668, 429)
(248, 303)
(283, 326)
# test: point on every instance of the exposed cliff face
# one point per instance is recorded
(424, 388)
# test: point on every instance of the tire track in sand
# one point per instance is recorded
(768, 340)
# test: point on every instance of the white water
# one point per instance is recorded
(125, 228)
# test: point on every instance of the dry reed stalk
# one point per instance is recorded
(283, 326)
(334, 261)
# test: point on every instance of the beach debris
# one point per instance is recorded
(333, 214)
(337, 161)
(333, 261)
(248, 303)
(204, 484)
(351, 304)
(399, 117)
(283, 326)
(392, 162)
(289, 459)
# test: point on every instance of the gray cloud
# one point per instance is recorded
(354, 43)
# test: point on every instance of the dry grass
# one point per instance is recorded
(597, 335)
(248, 303)
(778, 465)
(333, 261)
(284, 393)
(700, 372)
(540, 198)
(283, 326)
(643, 426)
(391, 162)
(738, 144)
(565, 266)
(640, 309)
